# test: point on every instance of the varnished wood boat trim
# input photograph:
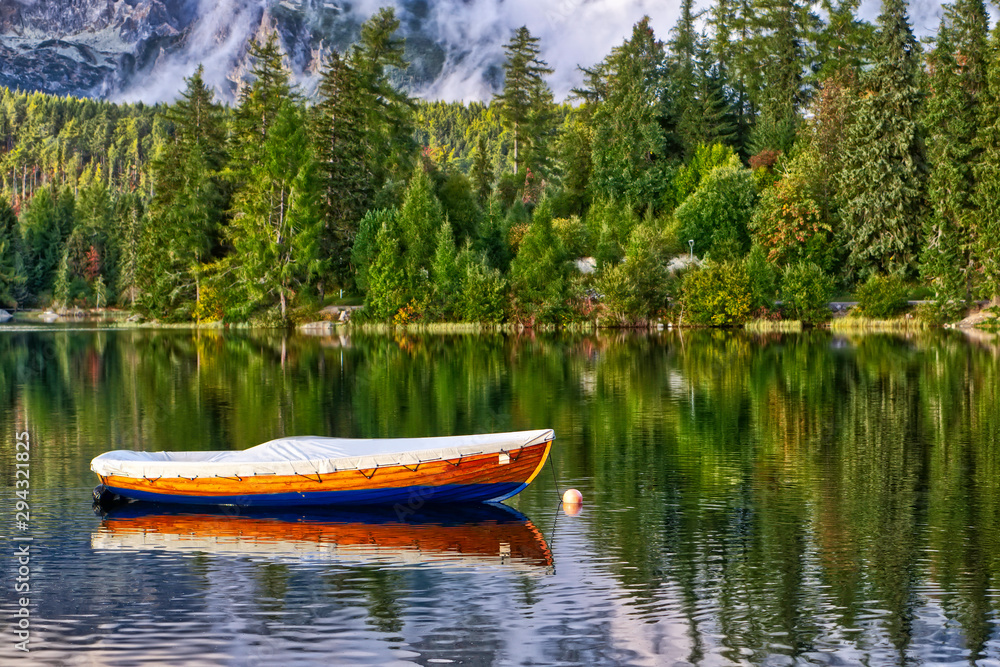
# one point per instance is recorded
(470, 470)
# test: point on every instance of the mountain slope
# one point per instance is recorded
(140, 49)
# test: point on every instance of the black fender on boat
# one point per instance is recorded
(106, 500)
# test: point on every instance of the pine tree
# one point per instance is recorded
(704, 114)
(732, 46)
(526, 99)
(261, 100)
(956, 84)
(276, 214)
(481, 172)
(683, 47)
(387, 288)
(130, 217)
(780, 41)
(11, 275)
(986, 197)
(364, 251)
(716, 122)
(885, 169)
(419, 221)
(188, 208)
(445, 272)
(341, 140)
(634, 140)
(844, 41)
(197, 121)
(542, 129)
(60, 294)
(93, 235)
(46, 222)
(492, 243)
(575, 164)
(388, 111)
(363, 132)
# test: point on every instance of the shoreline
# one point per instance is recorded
(841, 322)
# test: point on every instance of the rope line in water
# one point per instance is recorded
(552, 467)
(556, 513)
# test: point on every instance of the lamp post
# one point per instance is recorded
(691, 245)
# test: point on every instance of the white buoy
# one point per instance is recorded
(572, 497)
(572, 502)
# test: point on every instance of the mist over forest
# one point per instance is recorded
(143, 50)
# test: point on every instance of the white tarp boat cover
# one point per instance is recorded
(310, 455)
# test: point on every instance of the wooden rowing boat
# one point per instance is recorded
(307, 470)
(463, 536)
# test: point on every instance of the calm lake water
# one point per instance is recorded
(764, 500)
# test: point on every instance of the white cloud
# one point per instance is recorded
(572, 33)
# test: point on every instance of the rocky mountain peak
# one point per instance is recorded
(142, 49)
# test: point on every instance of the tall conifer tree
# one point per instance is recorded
(188, 206)
(388, 109)
(11, 278)
(342, 142)
(697, 86)
(885, 169)
(733, 23)
(259, 102)
(683, 78)
(275, 207)
(275, 215)
(956, 84)
(986, 198)
(526, 99)
(781, 44)
(634, 139)
(844, 40)
(363, 134)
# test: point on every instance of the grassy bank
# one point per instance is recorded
(853, 324)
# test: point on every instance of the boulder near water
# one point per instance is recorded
(5, 316)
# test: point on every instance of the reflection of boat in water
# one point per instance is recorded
(309, 470)
(461, 535)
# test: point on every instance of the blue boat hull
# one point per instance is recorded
(409, 496)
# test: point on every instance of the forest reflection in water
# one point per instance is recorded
(747, 498)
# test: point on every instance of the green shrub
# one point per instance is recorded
(763, 279)
(805, 292)
(364, 250)
(574, 235)
(789, 223)
(639, 287)
(387, 291)
(459, 203)
(882, 297)
(540, 271)
(705, 159)
(942, 311)
(716, 215)
(609, 224)
(717, 295)
(484, 291)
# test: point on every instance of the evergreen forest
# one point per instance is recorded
(757, 160)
